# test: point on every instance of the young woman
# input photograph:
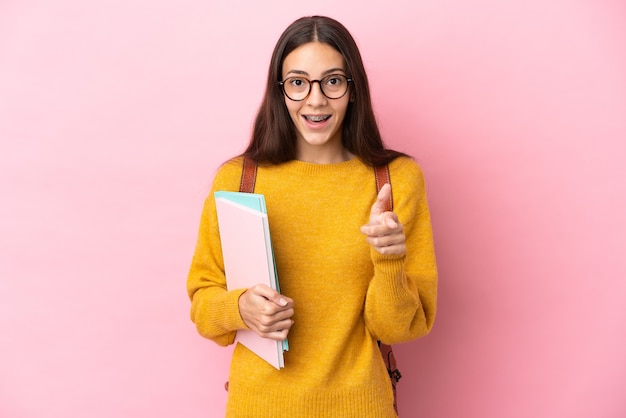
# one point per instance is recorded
(351, 273)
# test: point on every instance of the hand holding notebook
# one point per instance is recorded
(249, 263)
(266, 312)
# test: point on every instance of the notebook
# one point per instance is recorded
(249, 259)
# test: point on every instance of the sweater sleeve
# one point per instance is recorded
(401, 298)
(214, 309)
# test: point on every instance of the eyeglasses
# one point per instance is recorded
(333, 86)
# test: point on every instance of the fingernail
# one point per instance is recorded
(282, 302)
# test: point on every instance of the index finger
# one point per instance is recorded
(271, 295)
(383, 200)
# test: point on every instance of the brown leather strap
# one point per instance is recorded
(382, 177)
(390, 361)
(394, 374)
(248, 175)
(246, 185)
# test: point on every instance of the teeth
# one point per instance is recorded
(317, 118)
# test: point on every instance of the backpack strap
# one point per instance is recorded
(248, 175)
(248, 180)
(382, 177)
(386, 351)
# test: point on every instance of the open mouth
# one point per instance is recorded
(316, 118)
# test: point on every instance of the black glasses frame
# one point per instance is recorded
(348, 81)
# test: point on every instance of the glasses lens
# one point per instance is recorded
(334, 86)
(296, 88)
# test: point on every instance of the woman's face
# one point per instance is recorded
(317, 118)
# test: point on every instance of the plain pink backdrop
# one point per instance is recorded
(114, 116)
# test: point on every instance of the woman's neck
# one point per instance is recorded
(323, 154)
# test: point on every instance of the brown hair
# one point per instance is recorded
(274, 134)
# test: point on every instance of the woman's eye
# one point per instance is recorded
(333, 81)
(297, 82)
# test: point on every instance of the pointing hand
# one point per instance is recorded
(384, 231)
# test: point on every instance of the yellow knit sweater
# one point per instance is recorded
(346, 295)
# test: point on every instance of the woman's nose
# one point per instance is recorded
(316, 96)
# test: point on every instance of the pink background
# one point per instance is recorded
(114, 116)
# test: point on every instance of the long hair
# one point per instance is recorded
(274, 134)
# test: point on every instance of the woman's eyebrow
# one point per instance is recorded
(334, 70)
(330, 71)
(298, 72)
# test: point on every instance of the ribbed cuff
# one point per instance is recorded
(228, 314)
(390, 267)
